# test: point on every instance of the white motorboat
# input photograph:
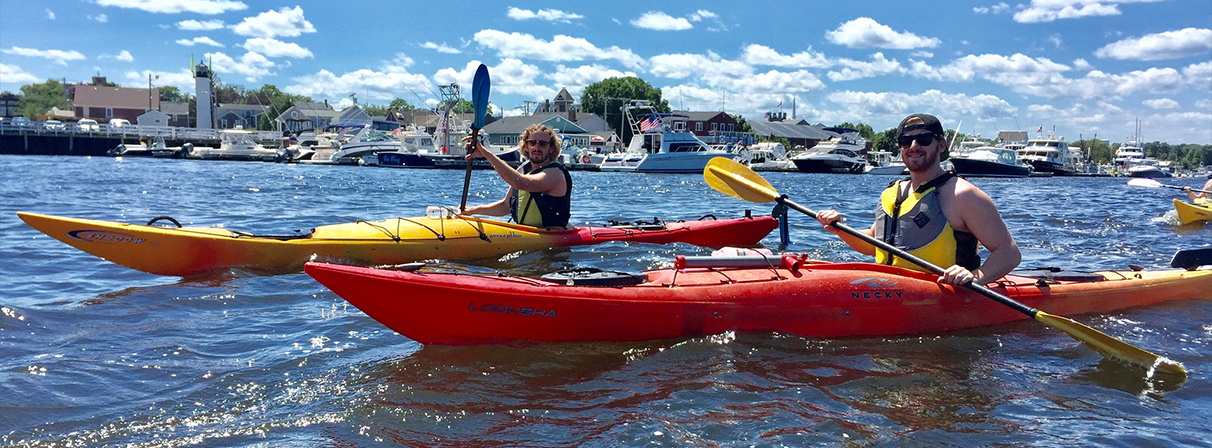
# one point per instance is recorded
(884, 163)
(157, 148)
(837, 155)
(1049, 155)
(310, 147)
(362, 145)
(235, 144)
(767, 156)
(656, 147)
(989, 161)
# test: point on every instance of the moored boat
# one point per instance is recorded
(840, 154)
(657, 147)
(185, 251)
(790, 295)
(235, 144)
(990, 161)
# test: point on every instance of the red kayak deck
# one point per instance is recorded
(819, 299)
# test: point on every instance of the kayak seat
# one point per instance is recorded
(1053, 274)
(593, 277)
(299, 234)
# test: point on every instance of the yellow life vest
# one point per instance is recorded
(914, 222)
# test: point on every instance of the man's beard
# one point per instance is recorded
(931, 159)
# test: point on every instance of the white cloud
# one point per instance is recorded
(14, 75)
(1042, 11)
(286, 22)
(550, 15)
(275, 48)
(123, 56)
(874, 107)
(995, 9)
(1199, 76)
(252, 65)
(99, 18)
(659, 21)
(511, 76)
(386, 84)
(865, 32)
(575, 79)
(1161, 103)
(560, 48)
(1168, 45)
(878, 66)
(209, 7)
(50, 15)
(441, 48)
(58, 56)
(196, 25)
(203, 40)
(756, 54)
(701, 14)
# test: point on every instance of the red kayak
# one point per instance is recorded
(789, 295)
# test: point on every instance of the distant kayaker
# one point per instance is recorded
(540, 190)
(936, 215)
(1196, 197)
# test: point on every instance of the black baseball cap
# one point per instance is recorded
(920, 121)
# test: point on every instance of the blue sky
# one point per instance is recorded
(1085, 68)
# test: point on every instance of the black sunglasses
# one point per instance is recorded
(922, 139)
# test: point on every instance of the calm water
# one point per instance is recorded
(94, 354)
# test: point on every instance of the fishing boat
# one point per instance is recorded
(787, 294)
(658, 147)
(184, 251)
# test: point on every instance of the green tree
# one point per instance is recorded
(886, 141)
(609, 95)
(38, 99)
(376, 110)
(401, 105)
(172, 93)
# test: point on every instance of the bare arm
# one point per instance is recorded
(540, 182)
(498, 208)
(979, 216)
(827, 217)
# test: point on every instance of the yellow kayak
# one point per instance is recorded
(184, 251)
(1189, 213)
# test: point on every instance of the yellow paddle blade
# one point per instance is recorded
(1112, 347)
(731, 178)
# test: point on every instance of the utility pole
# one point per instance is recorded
(526, 104)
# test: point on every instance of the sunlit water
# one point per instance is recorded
(94, 354)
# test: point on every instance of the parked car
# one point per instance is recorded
(118, 123)
(54, 125)
(88, 125)
(20, 121)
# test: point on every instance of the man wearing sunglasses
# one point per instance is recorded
(935, 215)
(540, 190)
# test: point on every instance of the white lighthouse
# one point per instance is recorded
(203, 94)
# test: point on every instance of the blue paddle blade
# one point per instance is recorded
(479, 96)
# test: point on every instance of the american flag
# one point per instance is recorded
(649, 123)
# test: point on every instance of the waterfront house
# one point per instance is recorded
(104, 103)
(305, 116)
(231, 116)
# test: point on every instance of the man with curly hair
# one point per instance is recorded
(540, 190)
